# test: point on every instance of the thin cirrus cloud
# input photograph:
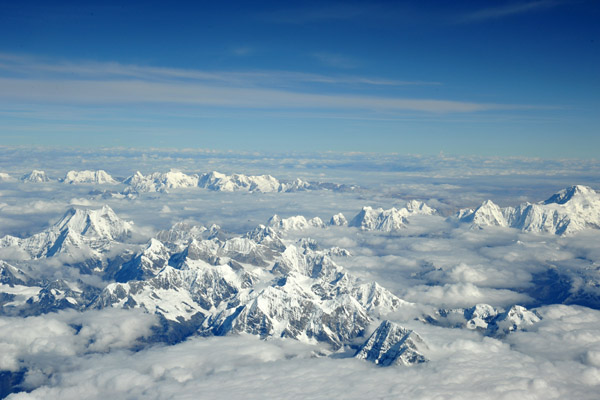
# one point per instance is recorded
(507, 11)
(32, 67)
(134, 91)
(27, 80)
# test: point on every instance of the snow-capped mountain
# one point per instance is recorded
(58, 295)
(80, 233)
(174, 179)
(160, 182)
(297, 185)
(392, 344)
(99, 177)
(297, 222)
(145, 264)
(491, 321)
(267, 236)
(338, 220)
(256, 284)
(513, 319)
(35, 176)
(389, 220)
(368, 219)
(23, 295)
(236, 182)
(182, 233)
(487, 214)
(263, 183)
(568, 211)
(11, 275)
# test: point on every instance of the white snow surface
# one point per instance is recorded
(79, 230)
(570, 210)
(389, 220)
(35, 176)
(161, 182)
(236, 182)
(99, 177)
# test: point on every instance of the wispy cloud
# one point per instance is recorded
(27, 80)
(28, 66)
(135, 91)
(507, 10)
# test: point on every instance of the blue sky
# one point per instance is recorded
(517, 78)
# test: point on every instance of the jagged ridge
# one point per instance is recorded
(568, 211)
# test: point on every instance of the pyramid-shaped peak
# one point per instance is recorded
(419, 207)
(154, 246)
(488, 203)
(102, 223)
(35, 176)
(274, 220)
(391, 344)
(134, 178)
(570, 193)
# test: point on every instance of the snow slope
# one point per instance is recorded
(570, 210)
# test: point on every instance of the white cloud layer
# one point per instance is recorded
(433, 263)
(462, 365)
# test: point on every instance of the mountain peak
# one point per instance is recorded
(487, 214)
(35, 176)
(102, 223)
(391, 344)
(570, 193)
(338, 220)
(98, 177)
(389, 220)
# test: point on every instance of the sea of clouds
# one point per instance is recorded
(433, 263)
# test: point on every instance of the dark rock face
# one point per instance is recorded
(392, 344)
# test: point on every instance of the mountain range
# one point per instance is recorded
(200, 282)
(567, 211)
(203, 281)
(175, 179)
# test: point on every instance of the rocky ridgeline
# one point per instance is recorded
(568, 211)
(199, 281)
(174, 179)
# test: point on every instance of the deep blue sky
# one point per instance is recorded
(474, 77)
